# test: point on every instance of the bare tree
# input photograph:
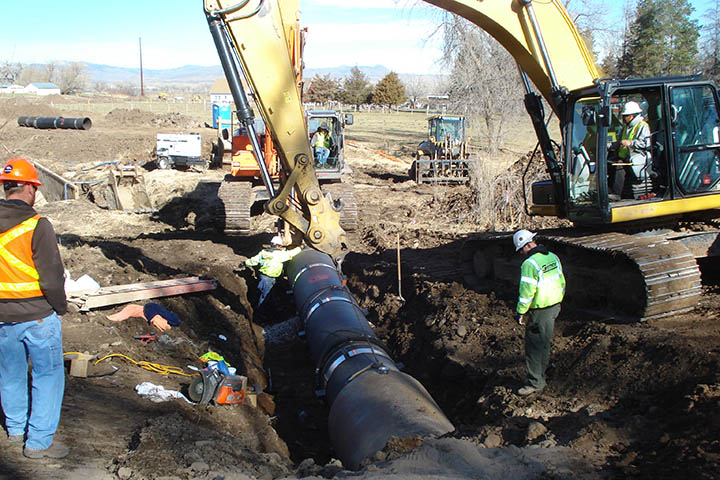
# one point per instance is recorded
(50, 71)
(10, 72)
(71, 78)
(417, 87)
(484, 83)
(30, 74)
(710, 43)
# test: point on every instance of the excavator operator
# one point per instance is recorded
(321, 143)
(632, 153)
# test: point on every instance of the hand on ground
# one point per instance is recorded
(160, 323)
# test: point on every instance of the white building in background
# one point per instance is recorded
(220, 92)
(12, 89)
(42, 89)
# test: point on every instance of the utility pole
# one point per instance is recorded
(142, 86)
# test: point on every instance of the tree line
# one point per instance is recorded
(356, 89)
(69, 77)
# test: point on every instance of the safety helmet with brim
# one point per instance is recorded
(20, 170)
(522, 238)
(631, 108)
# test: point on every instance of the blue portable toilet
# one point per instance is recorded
(221, 114)
(215, 113)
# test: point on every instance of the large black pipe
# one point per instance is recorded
(56, 122)
(370, 398)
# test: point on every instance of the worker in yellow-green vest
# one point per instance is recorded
(542, 288)
(321, 144)
(633, 149)
(270, 262)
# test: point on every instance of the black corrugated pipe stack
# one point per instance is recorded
(370, 398)
(56, 122)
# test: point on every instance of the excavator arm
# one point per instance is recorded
(539, 35)
(251, 38)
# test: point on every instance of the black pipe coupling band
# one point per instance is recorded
(370, 399)
(347, 360)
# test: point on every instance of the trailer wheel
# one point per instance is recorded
(164, 163)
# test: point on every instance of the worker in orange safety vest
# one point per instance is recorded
(32, 298)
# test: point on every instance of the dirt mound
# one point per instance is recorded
(173, 445)
(136, 118)
(14, 107)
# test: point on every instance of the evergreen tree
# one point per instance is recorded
(356, 88)
(322, 89)
(389, 91)
(662, 40)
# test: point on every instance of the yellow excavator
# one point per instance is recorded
(625, 257)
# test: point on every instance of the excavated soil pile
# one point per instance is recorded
(623, 400)
(136, 118)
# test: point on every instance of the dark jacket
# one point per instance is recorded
(48, 263)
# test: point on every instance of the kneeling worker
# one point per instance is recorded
(542, 288)
(270, 260)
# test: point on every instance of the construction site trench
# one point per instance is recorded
(635, 400)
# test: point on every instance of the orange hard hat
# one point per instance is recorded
(20, 170)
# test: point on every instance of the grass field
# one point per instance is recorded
(394, 133)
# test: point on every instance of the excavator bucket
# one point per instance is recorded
(126, 190)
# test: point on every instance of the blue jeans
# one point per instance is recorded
(41, 340)
(321, 155)
(265, 285)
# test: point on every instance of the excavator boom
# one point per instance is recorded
(516, 25)
(253, 33)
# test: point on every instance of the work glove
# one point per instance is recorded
(520, 318)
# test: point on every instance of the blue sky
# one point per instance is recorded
(174, 33)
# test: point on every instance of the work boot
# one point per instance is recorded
(56, 450)
(16, 438)
(528, 390)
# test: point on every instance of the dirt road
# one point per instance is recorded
(637, 400)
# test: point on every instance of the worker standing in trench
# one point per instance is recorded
(542, 288)
(270, 262)
(32, 298)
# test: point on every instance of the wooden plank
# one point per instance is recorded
(140, 291)
(54, 187)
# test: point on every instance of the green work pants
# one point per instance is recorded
(538, 335)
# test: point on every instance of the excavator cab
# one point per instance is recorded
(336, 123)
(676, 173)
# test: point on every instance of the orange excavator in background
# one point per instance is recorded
(243, 188)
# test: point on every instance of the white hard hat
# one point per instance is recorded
(631, 108)
(522, 238)
(276, 240)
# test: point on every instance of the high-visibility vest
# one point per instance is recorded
(271, 261)
(322, 140)
(629, 134)
(542, 283)
(18, 275)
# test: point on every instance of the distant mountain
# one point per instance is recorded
(195, 74)
(190, 75)
(186, 74)
(374, 73)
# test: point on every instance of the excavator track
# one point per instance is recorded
(233, 213)
(349, 212)
(616, 275)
